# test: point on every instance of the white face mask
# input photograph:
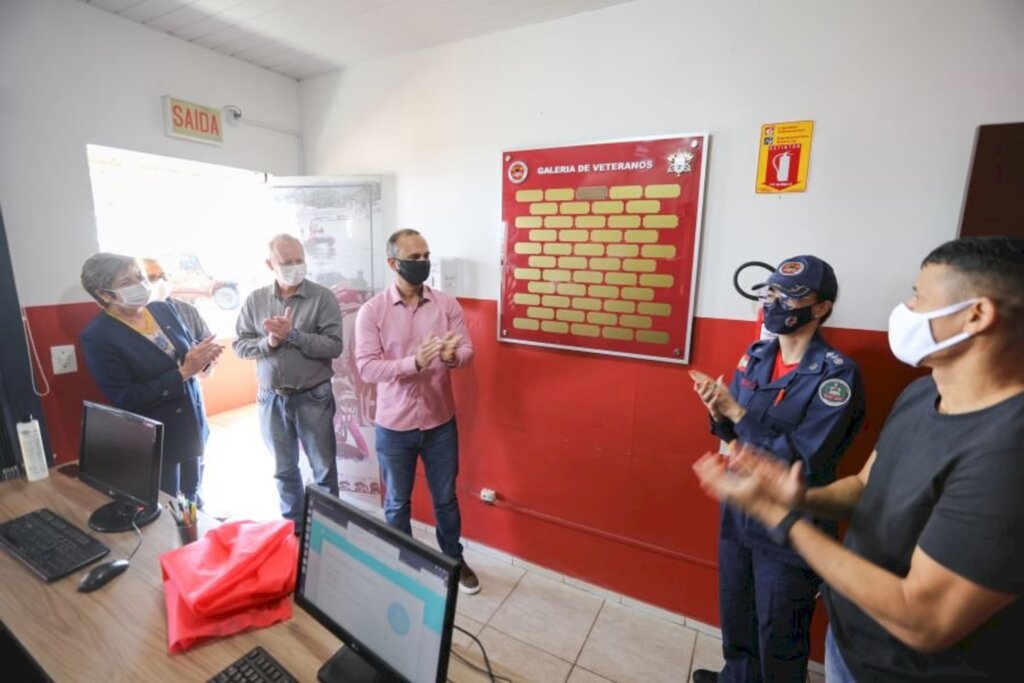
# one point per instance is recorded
(133, 296)
(292, 276)
(161, 290)
(910, 334)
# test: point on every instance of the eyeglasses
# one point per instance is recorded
(767, 295)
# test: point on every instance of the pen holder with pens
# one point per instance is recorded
(186, 517)
(188, 533)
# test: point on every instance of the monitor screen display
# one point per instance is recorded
(121, 453)
(389, 597)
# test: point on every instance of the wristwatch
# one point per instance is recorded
(780, 532)
(291, 336)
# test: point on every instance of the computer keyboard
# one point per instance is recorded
(255, 666)
(50, 545)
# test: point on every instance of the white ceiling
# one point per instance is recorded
(303, 38)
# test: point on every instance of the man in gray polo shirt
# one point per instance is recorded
(292, 328)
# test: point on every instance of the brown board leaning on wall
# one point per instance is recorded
(992, 203)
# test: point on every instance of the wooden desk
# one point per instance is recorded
(119, 632)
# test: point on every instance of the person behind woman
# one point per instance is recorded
(161, 291)
(801, 400)
(145, 361)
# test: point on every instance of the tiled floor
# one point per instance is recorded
(535, 624)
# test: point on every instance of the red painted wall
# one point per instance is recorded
(604, 443)
(232, 385)
(52, 326)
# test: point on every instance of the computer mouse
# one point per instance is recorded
(101, 574)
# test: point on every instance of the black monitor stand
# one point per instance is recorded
(346, 666)
(118, 515)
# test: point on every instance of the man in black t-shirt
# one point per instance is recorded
(926, 584)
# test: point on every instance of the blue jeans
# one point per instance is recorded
(439, 448)
(766, 606)
(836, 670)
(306, 418)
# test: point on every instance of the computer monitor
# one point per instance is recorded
(389, 598)
(120, 456)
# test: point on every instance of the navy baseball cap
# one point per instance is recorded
(799, 276)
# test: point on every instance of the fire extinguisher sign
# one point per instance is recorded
(785, 155)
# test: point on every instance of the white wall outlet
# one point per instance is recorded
(450, 276)
(64, 360)
(444, 275)
(488, 496)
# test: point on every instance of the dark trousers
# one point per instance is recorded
(439, 448)
(766, 607)
(184, 476)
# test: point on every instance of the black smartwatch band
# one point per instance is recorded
(780, 532)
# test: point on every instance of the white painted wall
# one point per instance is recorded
(71, 75)
(896, 90)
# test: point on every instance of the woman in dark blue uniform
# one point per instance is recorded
(801, 400)
(145, 361)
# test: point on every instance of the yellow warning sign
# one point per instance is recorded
(785, 156)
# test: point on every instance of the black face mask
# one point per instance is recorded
(782, 320)
(414, 272)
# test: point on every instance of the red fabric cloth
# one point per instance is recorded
(240, 575)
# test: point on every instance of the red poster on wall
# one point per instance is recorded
(601, 246)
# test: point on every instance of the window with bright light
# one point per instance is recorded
(207, 225)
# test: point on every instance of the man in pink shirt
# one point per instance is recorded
(408, 339)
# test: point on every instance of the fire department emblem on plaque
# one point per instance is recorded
(517, 172)
(680, 162)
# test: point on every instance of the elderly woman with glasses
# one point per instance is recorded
(146, 361)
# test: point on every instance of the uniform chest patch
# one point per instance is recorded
(742, 365)
(834, 392)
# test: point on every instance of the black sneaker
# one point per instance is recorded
(705, 676)
(468, 581)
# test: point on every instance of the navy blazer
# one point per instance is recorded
(138, 377)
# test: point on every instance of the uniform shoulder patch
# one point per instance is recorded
(834, 392)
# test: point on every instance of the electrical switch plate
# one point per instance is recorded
(64, 360)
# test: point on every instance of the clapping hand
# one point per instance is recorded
(428, 350)
(728, 481)
(199, 356)
(716, 397)
(784, 484)
(278, 327)
(449, 343)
